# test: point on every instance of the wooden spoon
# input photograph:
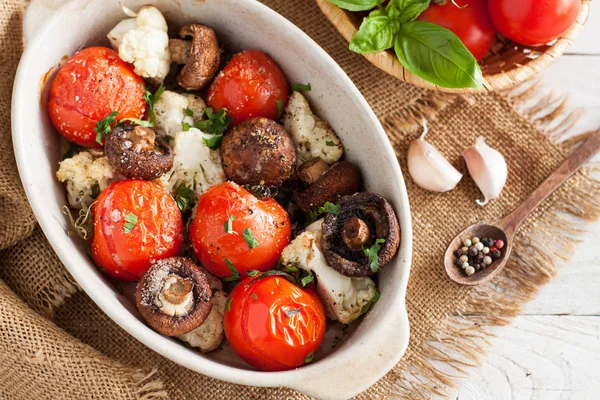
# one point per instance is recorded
(505, 228)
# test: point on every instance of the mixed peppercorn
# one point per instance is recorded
(477, 254)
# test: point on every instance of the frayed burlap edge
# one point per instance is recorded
(534, 261)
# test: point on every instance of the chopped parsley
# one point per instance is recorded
(300, 87)
(215, 123)
(279, 108)
(254, 296)
(145, 124)
(292, 312)
(289, 270)
(184, 197)
(228, 225)
(309, 357)
(253, 272)
(329, 143)
(329, 208)
(370, 303)
(130, 220)
(151, 100)
(185, 126)
(228, 304)
(72, 150)
(235, 275)
(188, 112)
(307, 279)
(249, 238)
(104, 125)
(276, 281)
(95, 190)
(214, 143)
(169, 138)
(373, 254)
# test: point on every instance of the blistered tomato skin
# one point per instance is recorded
(125, 250)
(265, 218)
(274, 325)
(249, 86)
(92, 84)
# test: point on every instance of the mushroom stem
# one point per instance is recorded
(311, 170)
(356, 233)
(142, 139)
(177, 289)
(180, 50)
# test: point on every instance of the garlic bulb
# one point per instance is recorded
(428, 168)
(487, 168)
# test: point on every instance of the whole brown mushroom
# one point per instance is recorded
(137, 152)
(258, 152)
(199, 50)
(174, 296)
(363, 219)
(341, 179)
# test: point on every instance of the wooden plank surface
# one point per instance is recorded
(552, 350)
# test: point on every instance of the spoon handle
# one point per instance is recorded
(576, 159)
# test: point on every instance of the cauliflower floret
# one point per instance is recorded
(80, 173)
(170, 111)
(209, 335)
(342, 296)
(312, 136)
(144, 42)
(194, 164)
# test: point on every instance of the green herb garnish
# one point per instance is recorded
(228, 225)
(427, 50)
(276, 281)
(130, 220)
(72, 150)
(373, 254)
(279, 108)
(151, 100)
(235, 275)
(184, 197)
(188, 112)
(214, 143)
(309, 357)
(307, 279)
(370, 303)
(290, 270)
(215, 123)
(140, 122)
(329, 208)
(228, 304)
(249, 238)
(329, 143)
(104, 126)
(185, 126)
(254, 296)
(169, 138)
(95, 190)
(253, 272)
(300, 87)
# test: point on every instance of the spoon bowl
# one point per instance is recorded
(505, 228)
(481, 230)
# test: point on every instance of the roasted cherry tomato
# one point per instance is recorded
(135, 222)
(234, 229)
(273, 324)
(468, 19)
(249, 86)
(92, 84)
(533, 22)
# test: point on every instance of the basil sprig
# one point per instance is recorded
(427, 50)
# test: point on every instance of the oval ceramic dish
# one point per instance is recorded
(380, 340)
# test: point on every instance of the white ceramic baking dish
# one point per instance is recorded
(380, 340)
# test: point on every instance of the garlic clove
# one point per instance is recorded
(488, 169)
(428, 167)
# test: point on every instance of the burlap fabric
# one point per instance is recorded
(56, 344)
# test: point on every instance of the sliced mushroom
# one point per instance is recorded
(258, 152)
(137, 152)
(174, 296)
(363, 218)
(341, 179)
(310, 171)
(199, 50)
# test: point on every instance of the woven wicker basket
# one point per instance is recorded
(507, 64)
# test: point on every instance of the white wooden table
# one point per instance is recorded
(552, 350)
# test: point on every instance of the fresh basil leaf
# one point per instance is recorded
(375, 34)
(406, 10)
(436, 55)
(214, 143)
(355, 5)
